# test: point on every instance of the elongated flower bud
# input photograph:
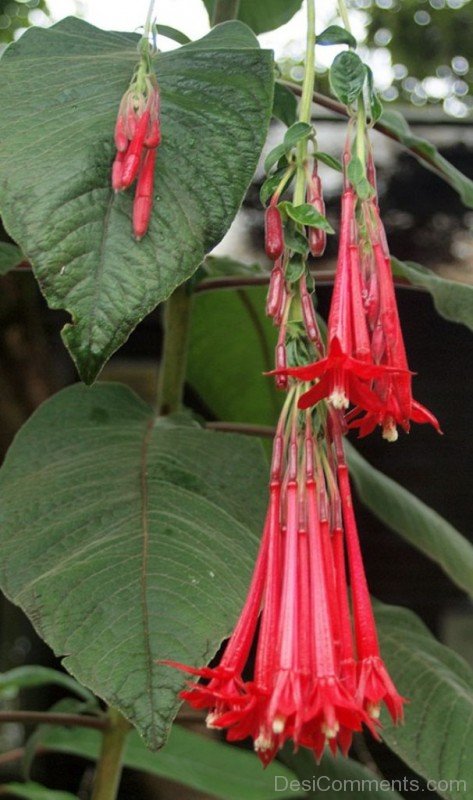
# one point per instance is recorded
(117, 170)
(133, 155)
(143, 202)
(273, 233)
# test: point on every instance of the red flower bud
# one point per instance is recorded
(143, 202)
(133, 155)
(153, 137)
(121, 139)
(117, 170)
(273, 231)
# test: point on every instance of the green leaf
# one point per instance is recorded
(296, 242)
(172, 33)
(329, 160)
(275, 155)
(295, 269)
(29, 677)
(271, 184)
(231, 346)
(223, 266)
(412, 519)
(64, 85)
(428, 155)
(10, 257)
(296, 133)
(355, 170)
(34, 791)
(436, 740)
(358, 782)
(347, 76)
(196, 761)
(263, 15)
(373, 103)
(336, 35)
(284, 105)
(306, 214)
(452, 299)
(127, 540)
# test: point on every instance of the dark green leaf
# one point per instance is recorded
(172, 33)
(271, 184)
(275, 155)
(34, 791)
(428, 155)
(436, 740)
(347, 76)
(116, 528)
(374, 105)
(29, 677)
(412, 519)
(358, 782)
(231, 345)
(191, 759)
(306, 214)
(284, 105)
(452, 299)
(295, 269)
(329, 160)
(263, 15)
(296, 133)
(296, 242)
(336, 35)
(10, 257)
(64, 85)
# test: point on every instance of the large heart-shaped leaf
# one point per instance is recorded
(262, 15)
(127, 540)
(437, 737)
(60, 93)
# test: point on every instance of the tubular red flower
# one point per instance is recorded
(143, 201)
(273, 232)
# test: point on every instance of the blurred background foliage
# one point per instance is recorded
(16, 16)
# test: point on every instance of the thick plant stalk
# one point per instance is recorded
(109, 765)
(174, 359)
(225, 10)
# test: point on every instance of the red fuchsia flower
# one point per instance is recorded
(344, 374)
(137, 136)
(398, 406)
(310, 683)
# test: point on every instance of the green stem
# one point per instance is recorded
(225, 10)
(149, 18)
(172, 372)
(305, 107)
(342, 10)
(109, 765)
(360, 134)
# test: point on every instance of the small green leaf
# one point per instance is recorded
(412, 519)
(34, 791)
(271, 184)
(428, 155)
(29, 677)
(374, 105)
(355, 170)
(275, 155)
(172, 33)
(336, 35)
(284, 104)
(204, 764)
(115, 528)
(436, 739)
(347, 76)
(329, 160)
(364, 189)
(294, 269)
(306, 214)
(10, 257)
(452, 299)
(296, 133)
(220, 266)
(296, 242)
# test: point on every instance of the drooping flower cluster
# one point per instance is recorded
(316, 679)
(137, 136)
(366, 362)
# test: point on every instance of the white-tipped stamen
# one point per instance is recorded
(339, 400)
(373, 710)
(330, 732)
